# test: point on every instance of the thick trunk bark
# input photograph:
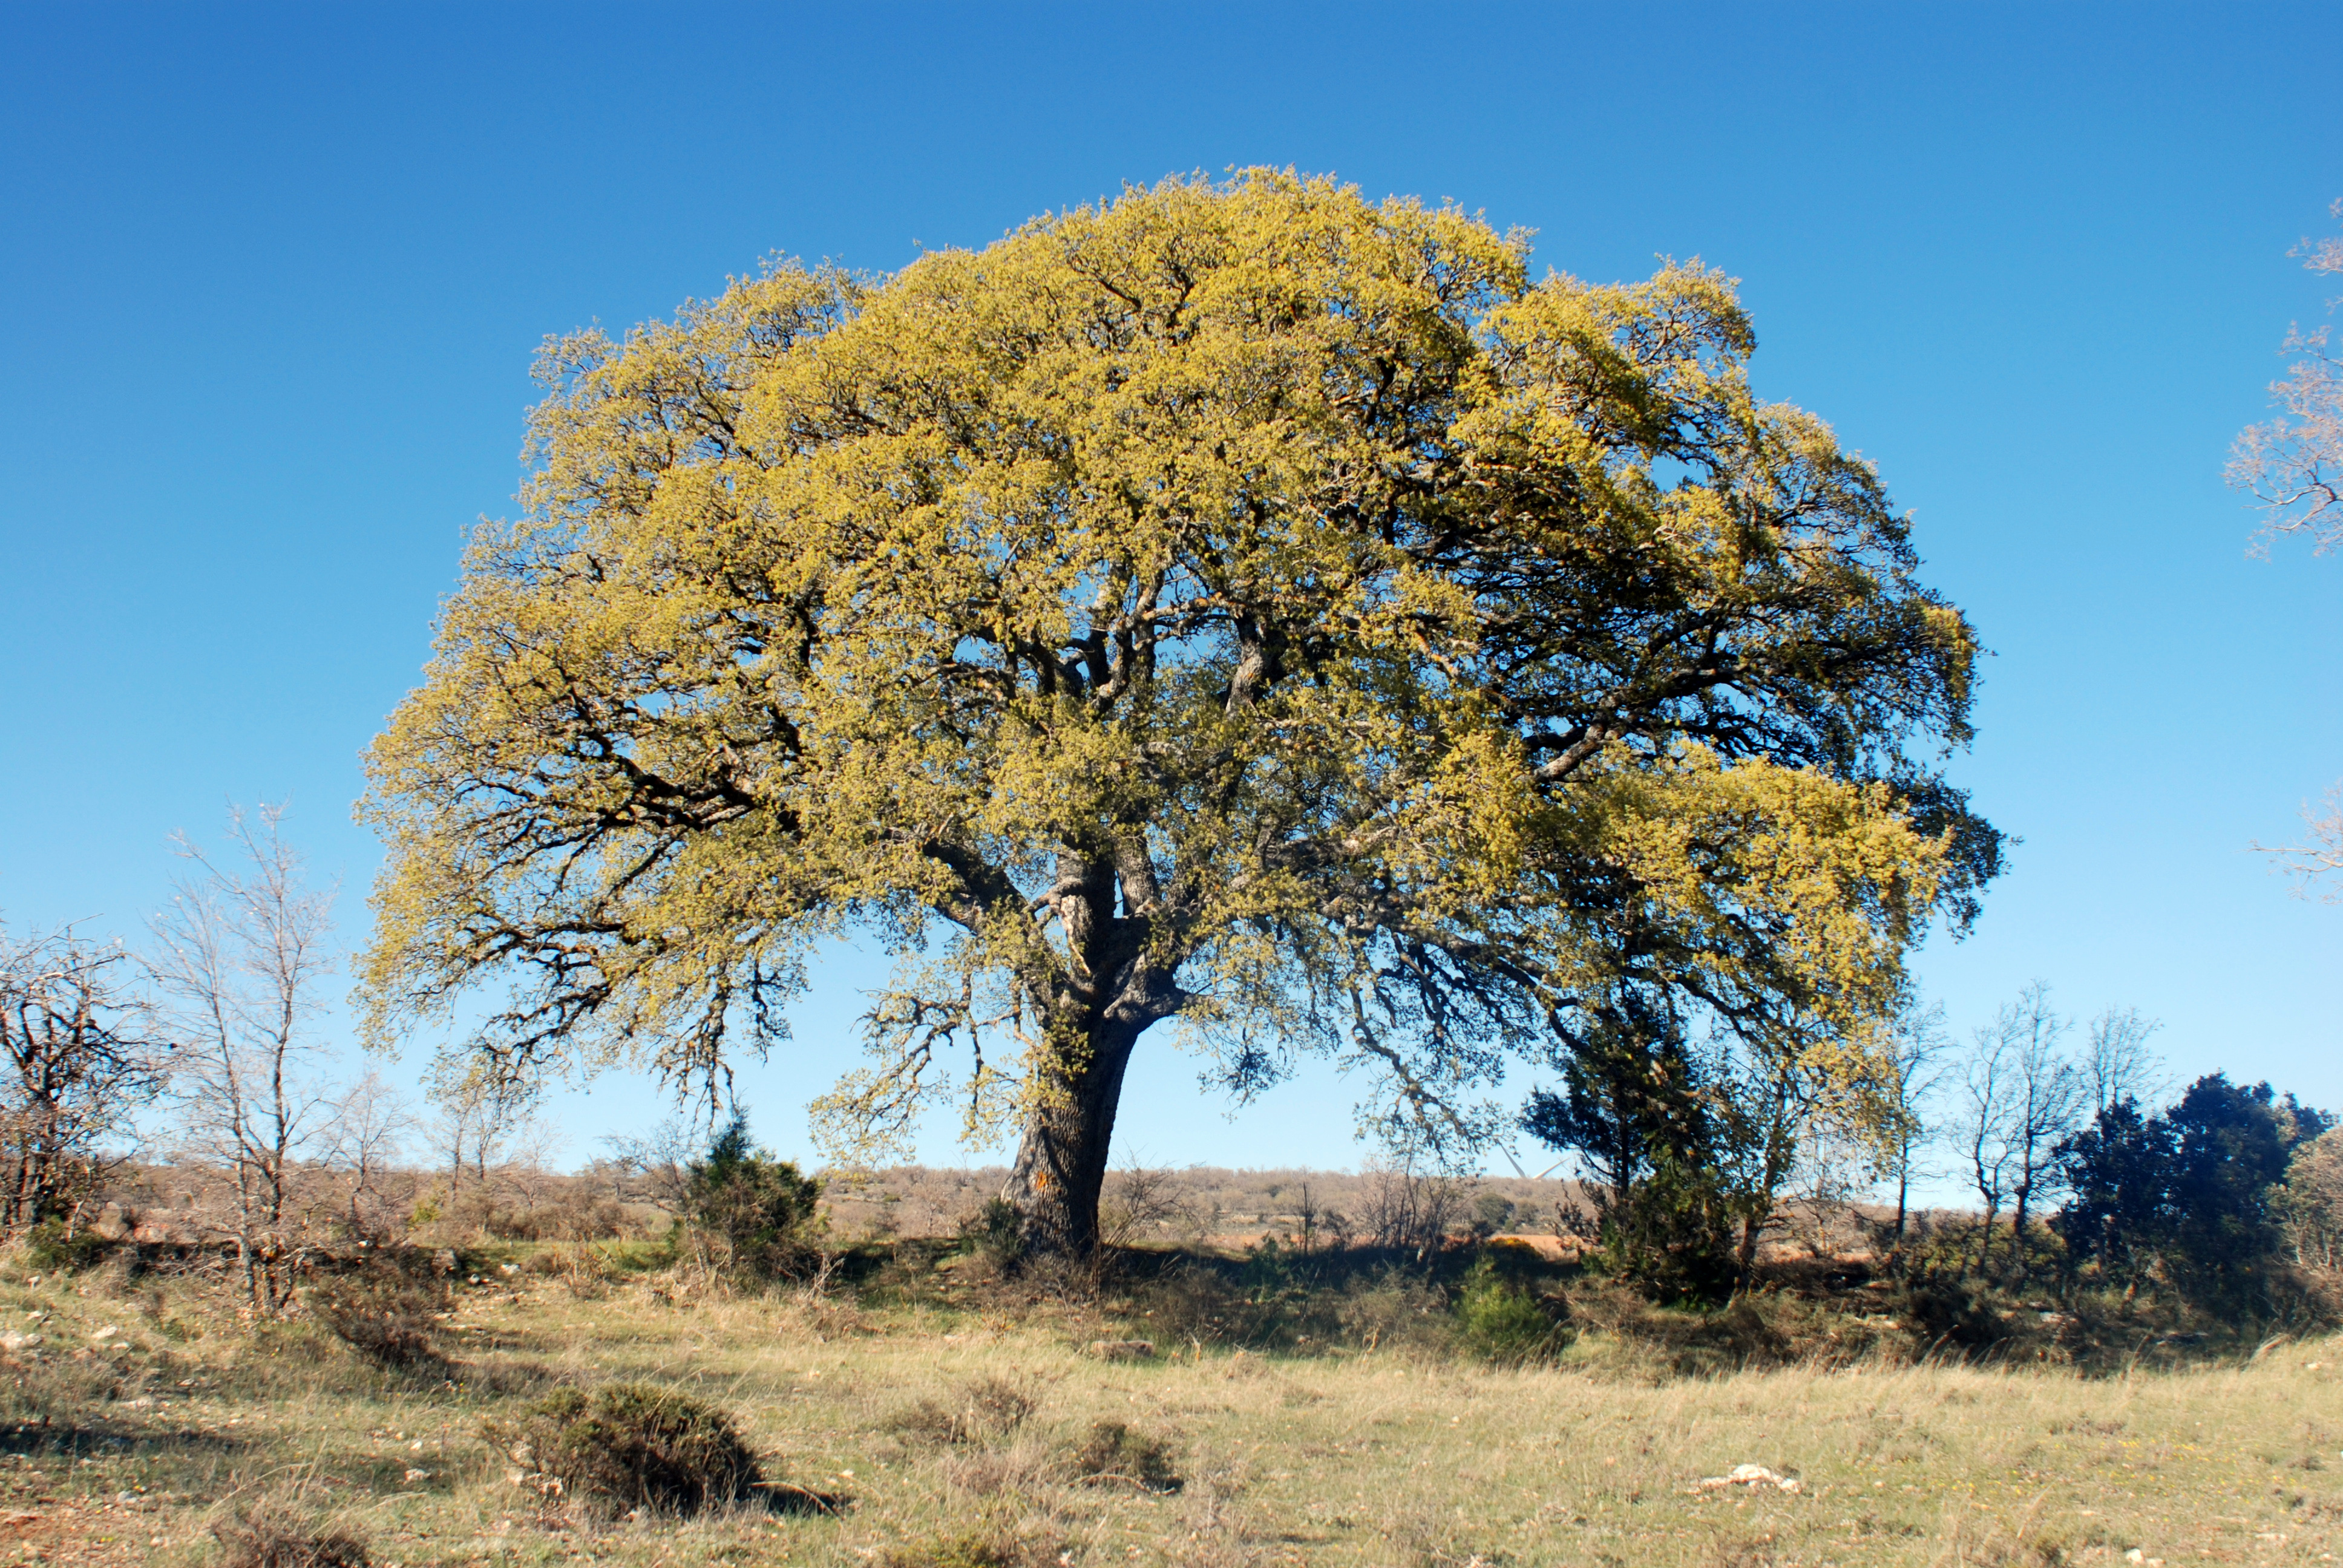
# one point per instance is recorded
(1061, 1161)
(1106, 995)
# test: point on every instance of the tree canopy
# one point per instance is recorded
(1240, 603)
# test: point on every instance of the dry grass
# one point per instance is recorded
(925, 1436)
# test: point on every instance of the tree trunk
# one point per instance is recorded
(1062, 1161)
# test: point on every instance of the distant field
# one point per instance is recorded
(1400, 1456)
(1218, 1206)
(1201, 1199)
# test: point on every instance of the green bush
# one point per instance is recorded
(753, 1216)
(1500, 1320)
(2194, 1197)
(53, 1245)
(1491, 1212)
(632, 1445)
(1636, 1111)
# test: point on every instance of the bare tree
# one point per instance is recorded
(2116, 1063)
(2293, 465)
(1982, 1129)
(371, 1124)
(238, 957)
(1405, 1209)
(1142, 1199)
(2051, 1096)
(483, 1122)
(2310, 1203)
(1817, 1204)
(2317, 859)
(660, 1161)
(80, 1063)
(1915, 1072)
(1764, 1118)
(2023, 1098)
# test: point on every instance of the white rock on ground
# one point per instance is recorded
(1748, 1475)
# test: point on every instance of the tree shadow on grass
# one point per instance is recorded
(801, 1501)
(94, 1437)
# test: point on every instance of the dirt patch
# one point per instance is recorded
(57, 1531)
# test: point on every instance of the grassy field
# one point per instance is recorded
(927, 1435)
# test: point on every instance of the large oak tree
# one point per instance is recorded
(1239, 604)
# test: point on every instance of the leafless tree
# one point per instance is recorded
(484, 1123)
(2024, 1097)
(2116, 1063)
(1764, 1118)
(2051, 1098)
(238, 958)
(1406, 1208)
(2319, 858)
(2310, 1203)
(81, 1060)
(367, 1140)
(1139, 1200)
(1916, 1070)
(1981, 1131)
(660, 1161)
(1833, 1171)
(2293, 465)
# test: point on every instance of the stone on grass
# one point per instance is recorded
(1749, 1475)
(1122, 1350)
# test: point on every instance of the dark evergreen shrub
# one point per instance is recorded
(754, 1216)
(632, 1445)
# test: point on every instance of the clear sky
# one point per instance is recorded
(272, 278)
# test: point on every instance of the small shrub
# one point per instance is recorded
(584, 1268)
(1958, 1313)
(2310, 1203)
(994, 1545)
(1394, 1309)
(1500, 1320)
(1190, 1301)
(1112, 1452)
(56, 1390)
(991, 1409)
(1491, 1212)
(995, 1233)
(384, 1314)
(53, 1245)
(753, 1216)
(278, 1532)
(632, 1445)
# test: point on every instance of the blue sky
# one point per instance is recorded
(272, 277)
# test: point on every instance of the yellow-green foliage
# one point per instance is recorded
(1238, 602)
